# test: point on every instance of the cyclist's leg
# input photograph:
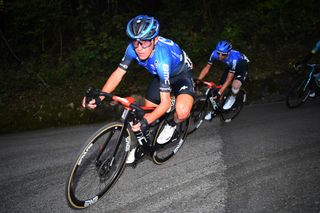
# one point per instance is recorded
(184, 104)
(183, 89)
(239, 77)
(184, 92)
(152, 100)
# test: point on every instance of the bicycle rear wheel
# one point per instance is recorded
(98, 166)
(198, 112)
(298, 94)
(164, 152)
(228, 115)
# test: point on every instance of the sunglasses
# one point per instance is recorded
(223, 54)
(144, 44)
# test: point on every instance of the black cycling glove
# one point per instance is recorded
(216, 94)
(144, 126)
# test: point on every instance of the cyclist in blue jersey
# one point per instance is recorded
(172, 70)
(304, 61)
(235, 73)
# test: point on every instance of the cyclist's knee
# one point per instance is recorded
(236, 86)
(182, 111)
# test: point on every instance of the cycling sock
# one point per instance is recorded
(172, 122)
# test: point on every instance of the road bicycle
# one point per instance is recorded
(205, 103)
(101, 161)
(302, 88)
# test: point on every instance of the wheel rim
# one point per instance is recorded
(93, 176)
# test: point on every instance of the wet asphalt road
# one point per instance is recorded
(266, 160)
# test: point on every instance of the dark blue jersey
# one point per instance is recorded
(231, 61)
(167, 60)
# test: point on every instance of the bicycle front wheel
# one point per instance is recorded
(230, 114)
(198, 112)
(98, 166)
(164, 152)
(298, 94)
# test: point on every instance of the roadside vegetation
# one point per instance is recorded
(51, 51)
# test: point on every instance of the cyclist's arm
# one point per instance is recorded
(227, 82)
(163, 70)
(114, 80)
(161, 108)
(204, 71)
(109, 86)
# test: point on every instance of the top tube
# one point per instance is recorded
(210, 84)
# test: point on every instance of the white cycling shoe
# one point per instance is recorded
(312, 94)
(230, 101)
(131, 156)
(208, 116)
(166, 134)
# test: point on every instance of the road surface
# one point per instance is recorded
(266, 160)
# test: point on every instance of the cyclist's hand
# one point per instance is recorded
(142, 125)
(216, 94)
(91, 104)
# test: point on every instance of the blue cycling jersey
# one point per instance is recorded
(167, 60)
(231, 61)
(316, 48)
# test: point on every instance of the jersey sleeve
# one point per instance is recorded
(213, 57)
(163, 69)
(127, 58)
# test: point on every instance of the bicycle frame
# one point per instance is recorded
(310, 69)
(132, 114)
(210, 87)
(105, 152)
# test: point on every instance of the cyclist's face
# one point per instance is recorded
(222, 56)
(143, 48)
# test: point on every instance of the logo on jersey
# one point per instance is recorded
(234, 64)
(165, 68)
(124, 66)
(183, 88)
(166, 74)
(156, 63)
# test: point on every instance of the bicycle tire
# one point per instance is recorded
(164, 152)
(95, 170)
(198, 112)
(298, 93)
(230, 114)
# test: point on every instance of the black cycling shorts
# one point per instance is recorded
(180, 84)
(240, 73)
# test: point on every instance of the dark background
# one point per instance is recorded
(51, 51)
